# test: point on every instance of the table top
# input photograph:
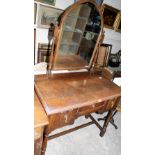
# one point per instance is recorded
(40, 117)
(62, 92)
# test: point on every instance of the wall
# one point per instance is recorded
(111, 37)
(42, 34)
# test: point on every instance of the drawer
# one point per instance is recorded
(92, 108)
(63, 119)
(68, 117)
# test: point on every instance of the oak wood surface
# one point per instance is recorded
(38, 139)
(40, 117)
(62, 92)
(65, 97)
(37, 133)
(40, 121)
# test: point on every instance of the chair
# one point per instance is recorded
(102, 58)
(108, 73)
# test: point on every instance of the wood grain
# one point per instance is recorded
(40, 121)
(40, 117)
(63, 92)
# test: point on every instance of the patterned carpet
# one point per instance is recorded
(87, 141)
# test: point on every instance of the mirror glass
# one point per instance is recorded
(78, 39)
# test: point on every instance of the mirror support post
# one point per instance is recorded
(52, 55)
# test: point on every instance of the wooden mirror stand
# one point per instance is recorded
(77, 37)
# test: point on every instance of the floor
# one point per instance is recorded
(87, 141)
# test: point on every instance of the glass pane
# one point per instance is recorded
(79, 35)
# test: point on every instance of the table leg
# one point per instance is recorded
(45, 139)
(107, 120)
(44, 145)
(111, 121)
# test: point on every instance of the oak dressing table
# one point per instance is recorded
(67, 96)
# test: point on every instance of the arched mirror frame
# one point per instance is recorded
(59, 29)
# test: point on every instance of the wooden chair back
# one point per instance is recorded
(103, 55)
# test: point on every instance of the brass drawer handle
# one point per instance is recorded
(66, 118)
(112, 104)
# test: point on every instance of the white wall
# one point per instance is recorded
(111, 37)
(114, 3)
(63, 4)
(42, 34)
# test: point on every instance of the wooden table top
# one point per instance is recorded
(40, 117)
(62, 92)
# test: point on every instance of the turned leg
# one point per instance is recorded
(107, 120)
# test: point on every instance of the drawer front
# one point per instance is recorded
(62, 119)
(92, 108)
(67, 118)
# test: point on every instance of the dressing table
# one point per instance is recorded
(67, 96)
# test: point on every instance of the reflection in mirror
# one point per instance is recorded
(99, 2)
(79, 35)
